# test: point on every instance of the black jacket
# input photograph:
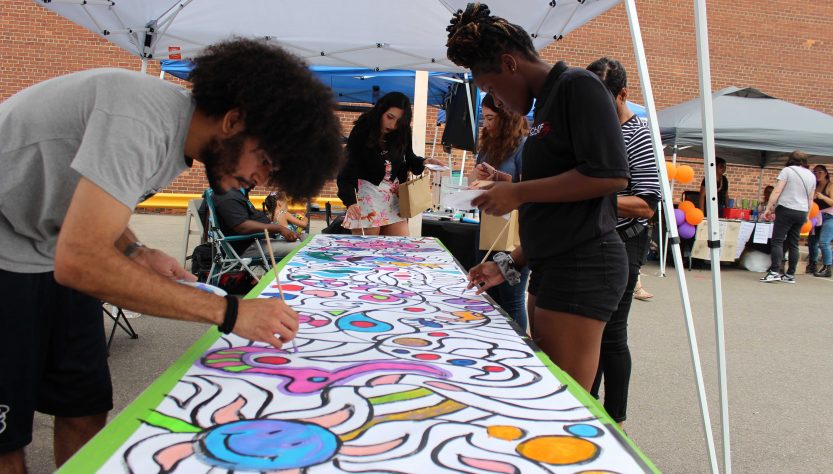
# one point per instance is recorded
(368, 164)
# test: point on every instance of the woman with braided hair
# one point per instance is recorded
(574, 162)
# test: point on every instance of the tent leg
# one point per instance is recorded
(144, 68)
(703, 59)
(653, 123)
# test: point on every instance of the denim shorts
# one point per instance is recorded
(589, 281)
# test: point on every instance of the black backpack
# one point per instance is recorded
(201, 261)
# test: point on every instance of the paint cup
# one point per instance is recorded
(745, 204)
(731, 203)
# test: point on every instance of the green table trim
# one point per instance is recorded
(101, 448)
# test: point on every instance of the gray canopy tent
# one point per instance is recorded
(750, 128)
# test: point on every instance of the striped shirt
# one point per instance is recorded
(642, 166)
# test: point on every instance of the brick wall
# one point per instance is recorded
(778, 46)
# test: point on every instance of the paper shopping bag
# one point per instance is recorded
(415, 196)
(491, 228)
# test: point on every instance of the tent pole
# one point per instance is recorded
(144, 68)
(704, 63)
(653, 123)
(664, 237)
(420, 129)
(434, 142)
(473, 127)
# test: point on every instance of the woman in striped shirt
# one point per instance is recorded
(635, 205)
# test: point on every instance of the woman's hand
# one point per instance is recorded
(485, 276)
(485, 172)
(498, 199)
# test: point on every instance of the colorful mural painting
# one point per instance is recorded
(397, 369)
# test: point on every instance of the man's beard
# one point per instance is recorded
(220, 158)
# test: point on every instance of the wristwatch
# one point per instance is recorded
(132, 248)
(508, 268)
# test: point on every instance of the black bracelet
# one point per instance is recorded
(230, 317)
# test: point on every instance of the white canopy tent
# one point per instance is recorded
(399, 34)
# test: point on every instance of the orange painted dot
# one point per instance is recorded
(507, 433)
(559, 450)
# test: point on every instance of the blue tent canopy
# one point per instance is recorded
(635, 108)
(359, 85)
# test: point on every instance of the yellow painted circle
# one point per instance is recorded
(508, 433)
(561, 450)
(411, 341)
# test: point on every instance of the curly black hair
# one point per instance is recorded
(612, 74)
(476, 39)
(284, 107)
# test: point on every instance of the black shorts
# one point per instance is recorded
(589, 281)
(53, 355)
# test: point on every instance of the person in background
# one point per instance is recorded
(822, 235)
(636, 204)
(276, 209)
(765, 199)
(379, 157)
(722, 188)
(789, 204)
(236, 215)
(499, 159)
(574, 162)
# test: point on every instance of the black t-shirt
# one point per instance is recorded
(576, 126)
(233, 208)
(722, 193)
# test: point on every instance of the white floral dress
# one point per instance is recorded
(379, 205)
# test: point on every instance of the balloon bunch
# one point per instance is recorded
(687, 217)
(686, 214)
(682, 173)
(813, 220)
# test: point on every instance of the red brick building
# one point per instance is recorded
(779, 47)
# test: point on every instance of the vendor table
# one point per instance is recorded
(398, 369)
(734, 235)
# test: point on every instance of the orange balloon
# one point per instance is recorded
(671, 170)
(686, 205)
(685, 173)
(805, 229)
(814, 210)
(694, 216)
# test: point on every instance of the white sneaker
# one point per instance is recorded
(788, 278)
(771, 277)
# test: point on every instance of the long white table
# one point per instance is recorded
(397, 369)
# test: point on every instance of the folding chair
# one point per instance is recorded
(192, 216)
(119, 320)
(225, 258)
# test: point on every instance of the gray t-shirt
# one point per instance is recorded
(799, 183)
(122, 130)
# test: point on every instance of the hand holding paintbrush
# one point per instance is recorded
(277, 277)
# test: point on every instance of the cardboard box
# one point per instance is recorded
(729, 234)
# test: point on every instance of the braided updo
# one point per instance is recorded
(476, 39)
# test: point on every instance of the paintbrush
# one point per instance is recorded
(277, 278)
(486, 257)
